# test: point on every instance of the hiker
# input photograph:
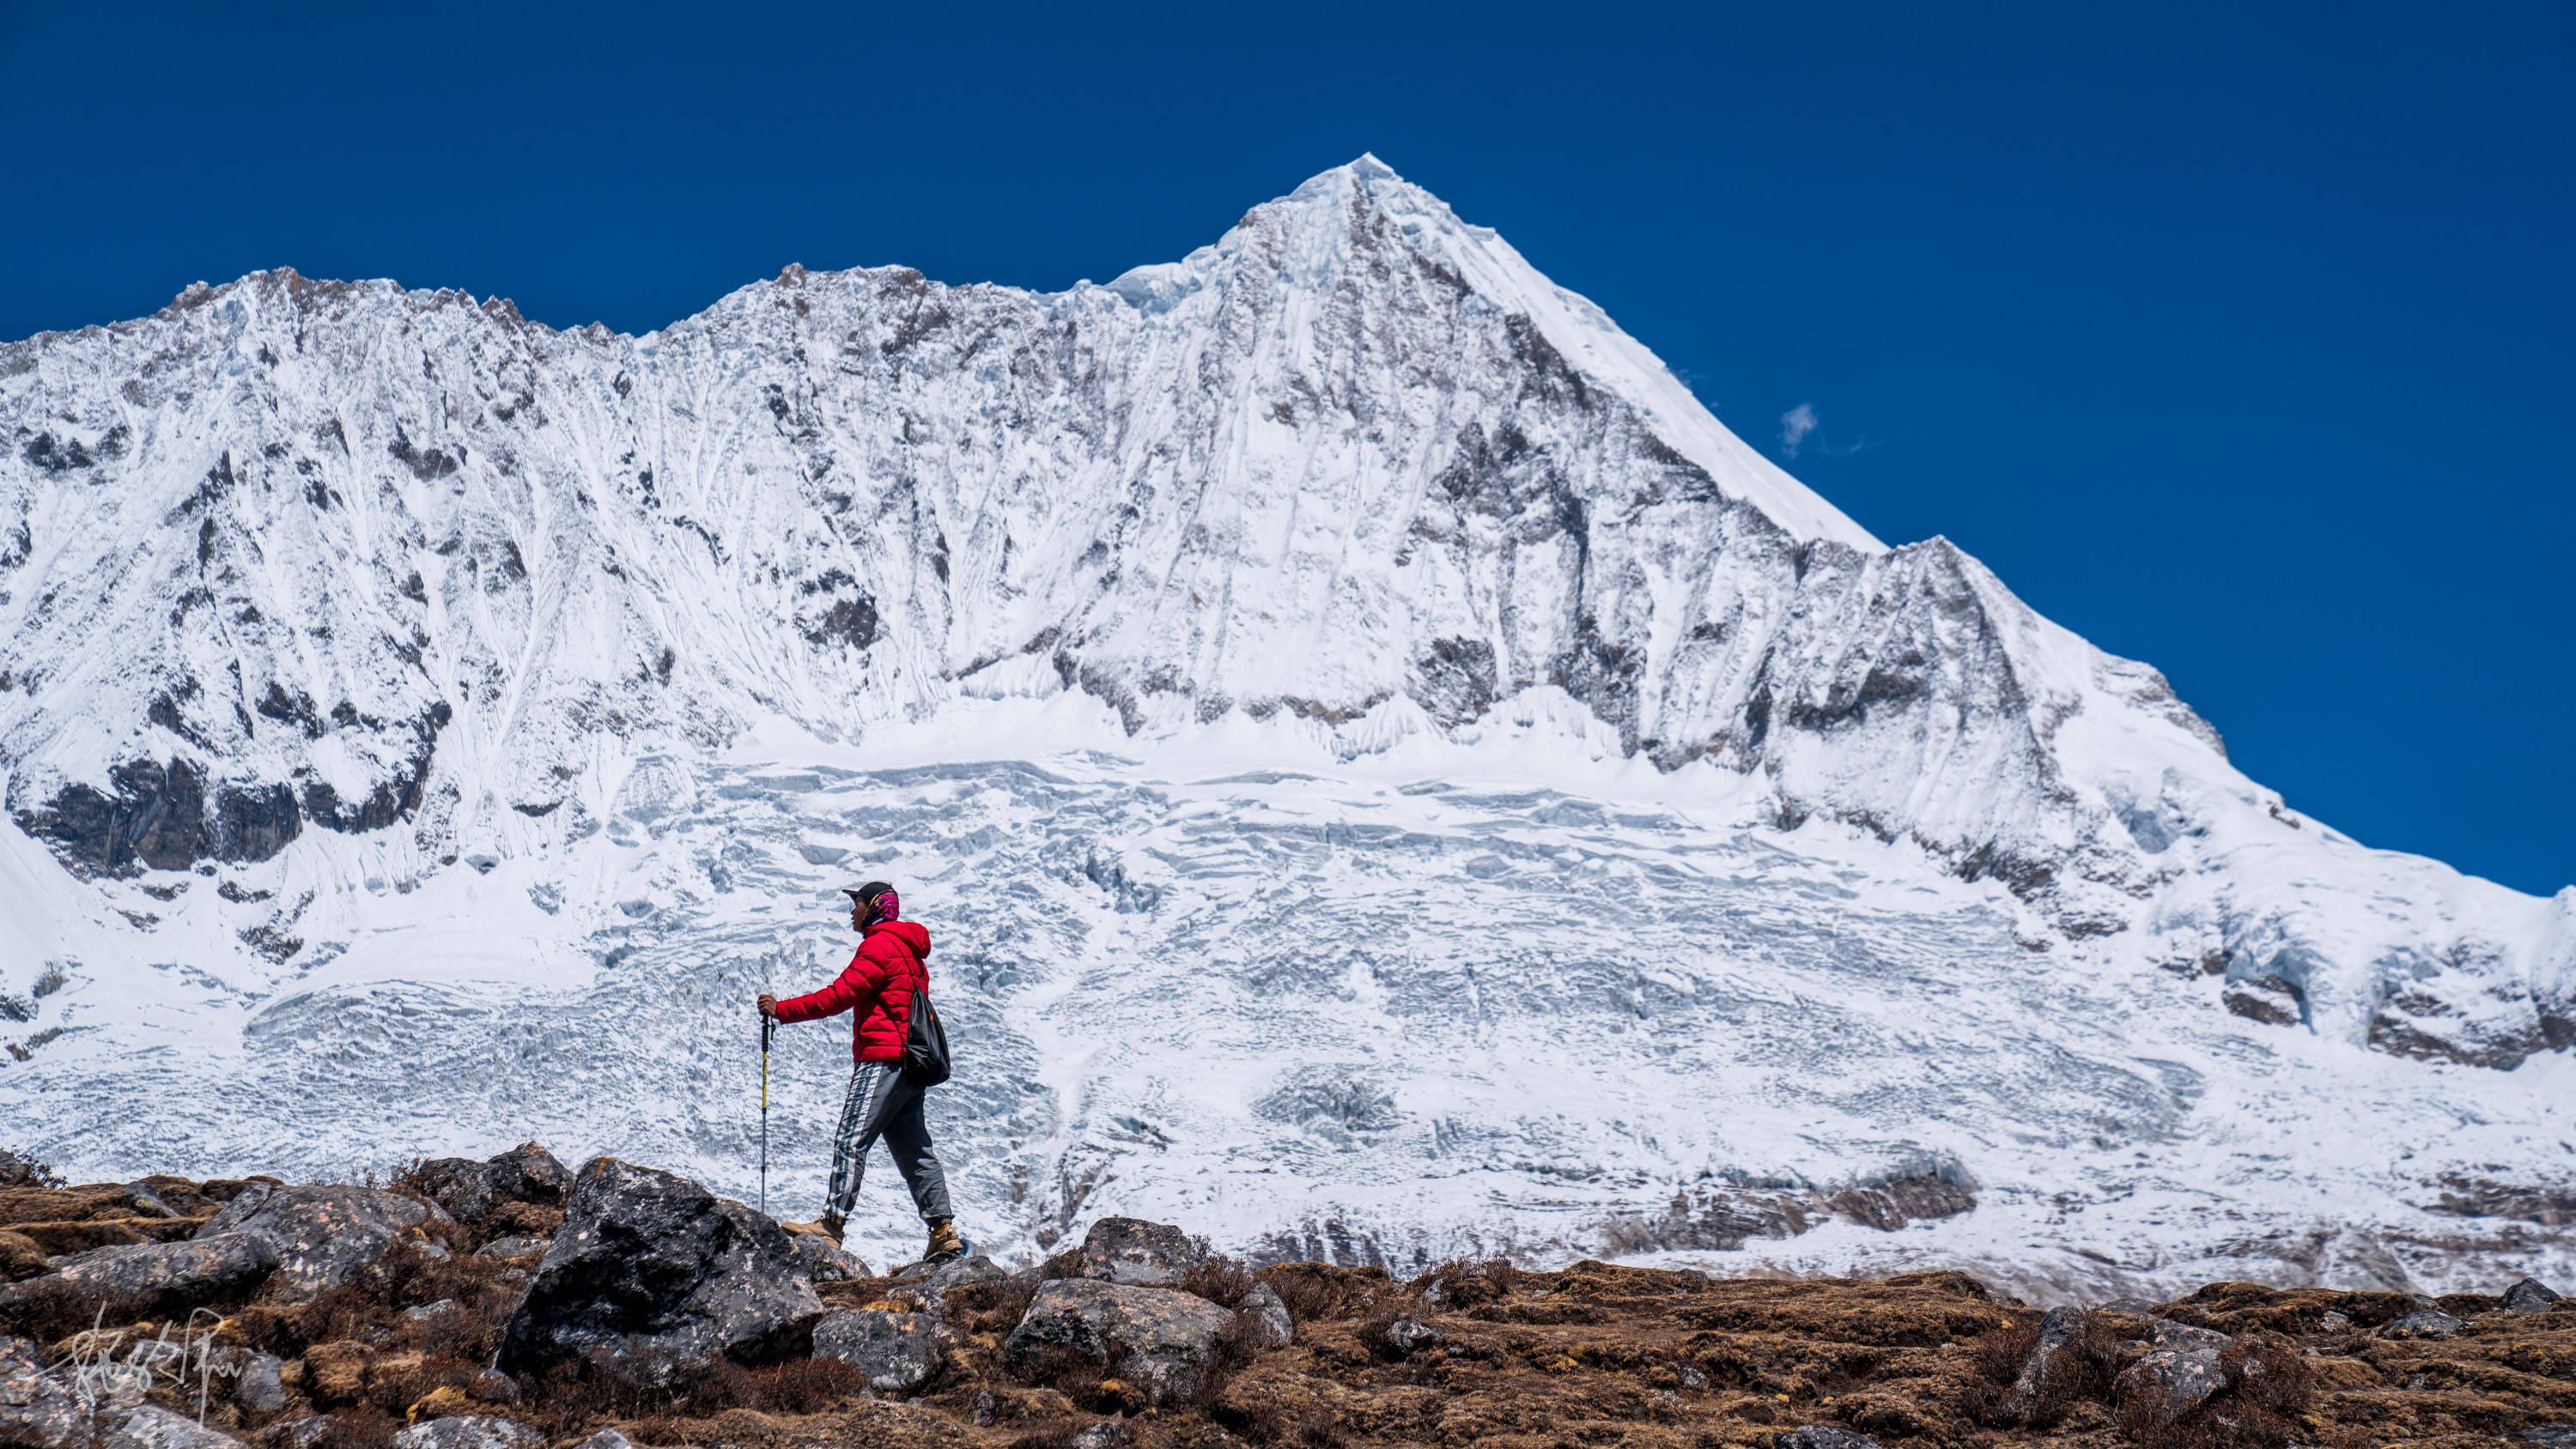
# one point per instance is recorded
(878, 989)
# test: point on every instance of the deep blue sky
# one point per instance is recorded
(2238, 343)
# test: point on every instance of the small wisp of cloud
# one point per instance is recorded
(1795, 425)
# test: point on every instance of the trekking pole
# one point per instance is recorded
(765, 1025)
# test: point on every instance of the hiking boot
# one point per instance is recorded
(945, 1245)
(826, 1227)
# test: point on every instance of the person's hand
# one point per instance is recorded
(769, 1006)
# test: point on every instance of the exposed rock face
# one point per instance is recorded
(825, 1262)
(650, 1271)
(137, 1278)
(513, 1248)
(35, 1411)
(153, 1427)
(469, 1431)
(1134, 1251)
(2056, 1328)
(469, 1190)
(2424, 1323)
(1156, 1337)
(899, 1352)
(2531, 1296)
(2173, 1379)
(319, 1235)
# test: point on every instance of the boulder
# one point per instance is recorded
(259, 1383)
(35, 1411)
(1158, 1337)
(2530, 1296)
(1409, 1336)
(2423, 1323)
(320, 1235)
(899, 1352)
(1107, 1434)
(513, 1248)
(928, 1286)
(2551, 1436)
(1136, 1252)
(152, 1427)
(1823, 1436)
(2173, 1379)
(652, 1270)
(2166, 1333)
(606, 1439)
(826, 1262)
(469, 1431)
(470, 1190)
(304, 1433)
(1278, 1330)
(132, 1280)
(2057, 1327)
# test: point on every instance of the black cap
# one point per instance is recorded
(866, 895)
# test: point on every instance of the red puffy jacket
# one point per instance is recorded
(878, 984)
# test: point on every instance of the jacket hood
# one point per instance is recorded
(911, 933)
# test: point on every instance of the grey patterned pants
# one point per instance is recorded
(882, 1104)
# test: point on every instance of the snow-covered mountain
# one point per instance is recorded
(1386, 769)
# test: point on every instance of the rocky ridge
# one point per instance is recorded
(1143, 1336)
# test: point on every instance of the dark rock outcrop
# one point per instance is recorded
(899, 1352)
(2424, 1323)
(651, 1271)
(1136, 1252)
(2172, 1380)
(470, 1190)
(35, 1411)
(319, 1235)
(2530, 1296)
(1159, 1338)
(134, 1279)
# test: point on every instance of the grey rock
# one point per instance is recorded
(2333, 1322)
(2423, 1323)
(469, 1431)
(1156, 1337)
(825, 1262)
(1690, 1375)
(2530, 1296)
(133, 1279)
(606, 1439)
(651, 1270)
(495, 1387)
(35, 1411)
(1409, 1336)
(470, 1190)
(1106, 1434)
(259, 1383)
(2056, 1327)
(2551, 1436)
(140, 1200)
(428, 1311)
(301, 1433)
(2166, 1333)
(899, 1352)
(513, 1248)
(1823, 1436)
(2176, 1379)
(152, 1427)
(320, 1234)
(1278, 1329)
(1137, 1252)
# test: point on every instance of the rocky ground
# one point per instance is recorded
(511, 1305)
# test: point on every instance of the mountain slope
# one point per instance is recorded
(357, 598)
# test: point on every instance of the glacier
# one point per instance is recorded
(1388, 774)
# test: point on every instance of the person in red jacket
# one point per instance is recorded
(877, 988)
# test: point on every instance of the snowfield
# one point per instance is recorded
(1386, 772)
